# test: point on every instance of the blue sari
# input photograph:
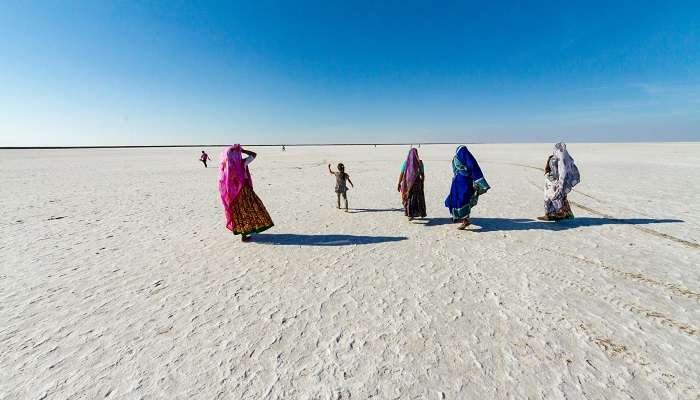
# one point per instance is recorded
(468, 184)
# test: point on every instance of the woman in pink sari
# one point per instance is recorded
(245, 212)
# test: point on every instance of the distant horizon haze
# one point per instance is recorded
(163, 73)
(146, 146)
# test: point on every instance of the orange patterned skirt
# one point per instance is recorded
(249, 214)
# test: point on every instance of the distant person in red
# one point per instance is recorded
(204, 158)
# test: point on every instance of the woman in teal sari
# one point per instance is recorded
(468, 184)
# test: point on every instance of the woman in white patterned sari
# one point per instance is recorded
(561, 175)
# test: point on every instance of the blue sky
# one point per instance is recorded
(184, 72)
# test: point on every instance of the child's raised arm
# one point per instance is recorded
(330, 170)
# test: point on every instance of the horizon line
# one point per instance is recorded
(221, 145)
(302, 145)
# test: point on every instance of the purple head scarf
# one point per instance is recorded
(412, 170)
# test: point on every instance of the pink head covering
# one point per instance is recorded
(412, 170)
(233, 176)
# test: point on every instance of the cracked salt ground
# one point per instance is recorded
(330, 305)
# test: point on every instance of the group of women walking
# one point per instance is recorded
(246, 214)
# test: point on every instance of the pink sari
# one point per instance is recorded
(233, 176)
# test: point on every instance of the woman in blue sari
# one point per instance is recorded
(468, 184)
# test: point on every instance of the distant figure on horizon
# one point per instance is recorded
(561, 175)
(411, 182)
(204, 158)
(341, 187)
(245, 212)
(284, 148)
(468, 183)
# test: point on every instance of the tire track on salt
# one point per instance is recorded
(649, 231)
(550, 315)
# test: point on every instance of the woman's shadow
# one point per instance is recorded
(373, 210)
(522, 224)
(293, 239)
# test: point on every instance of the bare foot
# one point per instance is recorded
(465, 223)
(245, 238)
(544, 218)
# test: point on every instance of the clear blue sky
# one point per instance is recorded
(179, 72)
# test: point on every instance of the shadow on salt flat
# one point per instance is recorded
(370, 210)
(291, 239)
(520, 224)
